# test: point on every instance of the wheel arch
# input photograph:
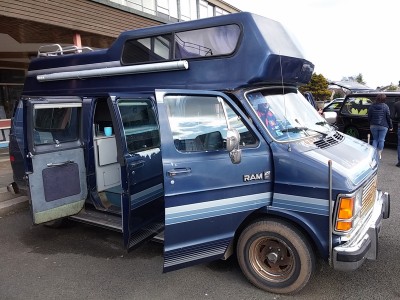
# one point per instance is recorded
(292, 218)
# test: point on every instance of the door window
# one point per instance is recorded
(55, 124)
(357, 106)
(140, 125)
(198, 123)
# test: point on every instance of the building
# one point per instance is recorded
(26, 25)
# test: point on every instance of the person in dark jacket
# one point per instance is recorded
(379, 121)
(397, 118)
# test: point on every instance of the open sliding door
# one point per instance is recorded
(138, 143)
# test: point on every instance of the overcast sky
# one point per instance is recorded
(341, 38)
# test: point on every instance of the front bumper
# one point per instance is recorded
(351, 255)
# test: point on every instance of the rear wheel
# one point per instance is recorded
(352, 131)
(275, 256)
(56, 223)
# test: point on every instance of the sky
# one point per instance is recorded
(342, 38)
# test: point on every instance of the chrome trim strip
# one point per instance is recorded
(74, 68)
(136, 69)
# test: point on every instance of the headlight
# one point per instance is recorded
(348, 212)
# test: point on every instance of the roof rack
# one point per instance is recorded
(57, 49)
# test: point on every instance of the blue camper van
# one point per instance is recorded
(196, 133)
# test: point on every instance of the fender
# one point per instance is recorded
(317, 234)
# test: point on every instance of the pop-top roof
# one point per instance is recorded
(219, 53)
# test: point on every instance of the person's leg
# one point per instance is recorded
(374, 133)
(398, 146)
(381, 137)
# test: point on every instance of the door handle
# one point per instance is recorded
(60, 164)
(178, 171)
(137, 164)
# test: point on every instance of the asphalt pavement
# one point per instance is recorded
(80, 261)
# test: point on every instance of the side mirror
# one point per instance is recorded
(232, 145)
(232, 139)
(330, 117)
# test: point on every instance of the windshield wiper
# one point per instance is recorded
(303, 128)
(323, 123)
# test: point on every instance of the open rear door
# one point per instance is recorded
(57, 182)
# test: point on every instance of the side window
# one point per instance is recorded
(357, 106)
(198, 123)
(148, 49)
(54, 124)
(213, 41)
(140, 125)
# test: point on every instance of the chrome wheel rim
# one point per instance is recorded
(272, 259)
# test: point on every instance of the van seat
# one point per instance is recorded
(213, 141)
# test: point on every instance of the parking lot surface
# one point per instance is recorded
(84, 262)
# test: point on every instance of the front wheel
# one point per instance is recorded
(275, 256)
(352, 131)
(56, 223)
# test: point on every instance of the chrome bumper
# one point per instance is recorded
(351, 255)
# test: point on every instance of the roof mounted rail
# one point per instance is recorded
(57, 49)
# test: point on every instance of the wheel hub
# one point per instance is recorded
(272, 259)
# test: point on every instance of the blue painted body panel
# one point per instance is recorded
(204, 208)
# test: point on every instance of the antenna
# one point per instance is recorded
(284, 98)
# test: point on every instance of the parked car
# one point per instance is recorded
(333, 105)
(352, 118)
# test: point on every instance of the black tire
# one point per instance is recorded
(56, 223)
(352, 131)
(275, 256)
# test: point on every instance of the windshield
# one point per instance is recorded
(287, 116)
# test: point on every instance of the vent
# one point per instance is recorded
(329, 140)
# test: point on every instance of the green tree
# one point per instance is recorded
(391, 87)
(339, 94)
(360, 79)
(318, 86)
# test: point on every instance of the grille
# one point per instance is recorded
(329, 141)
(368, 196)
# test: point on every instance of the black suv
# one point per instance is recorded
(352, 117)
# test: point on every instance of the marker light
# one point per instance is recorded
(345, 214)
(343, 226)
(346, 207)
